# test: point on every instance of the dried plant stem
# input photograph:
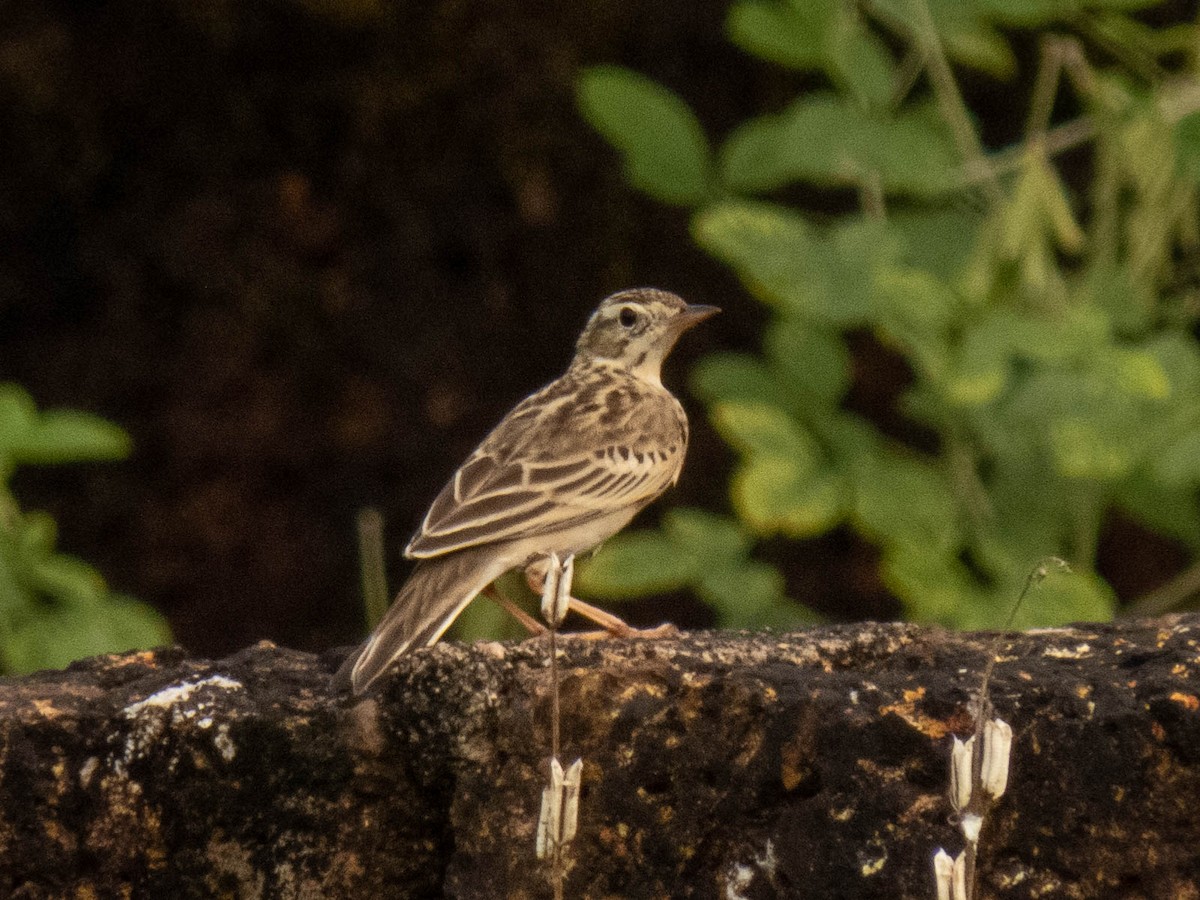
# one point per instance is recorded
(560, 800)
(372, 569)
(555, 709)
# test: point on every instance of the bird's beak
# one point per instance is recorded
(695, 313)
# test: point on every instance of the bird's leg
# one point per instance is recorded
(530, 624)
(535, 575)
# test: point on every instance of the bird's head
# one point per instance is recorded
(636, 329)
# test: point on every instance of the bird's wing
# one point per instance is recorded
(535, 475)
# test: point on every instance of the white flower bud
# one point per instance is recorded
(970, 825)
(943, 873)
(556, 589)
(997, 746)
(962, 764)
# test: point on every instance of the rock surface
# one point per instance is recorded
(715, 765)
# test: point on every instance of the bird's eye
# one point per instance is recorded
(628, 316)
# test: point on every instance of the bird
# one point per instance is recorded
(566, 469)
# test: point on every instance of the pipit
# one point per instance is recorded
(564, 471)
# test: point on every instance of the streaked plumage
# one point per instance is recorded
(562, 472)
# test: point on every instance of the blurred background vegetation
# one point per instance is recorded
(1049, 330)
(306, 253)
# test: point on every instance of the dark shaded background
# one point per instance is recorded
(309, 251)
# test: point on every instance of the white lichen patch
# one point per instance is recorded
(1079, 651)
(740, 876)
(87, 770)
(224, 743)
(171, 707)
(178, 693)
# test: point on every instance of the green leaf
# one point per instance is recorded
(811, 361)
(634, 564)
(773, 250)
(1137, 373)
(761, 428)
(1065, 597)
(64, 436)
(1179, 356)
(1187, 139)
(707, 536)
(53, 636)
(824, 140)
(791, 34)
(1178, 464)
(915, 300)
(938, 239)
(736, 377)
(777, 254)
(1031, 515)
(1085, 449)
(68, 580)
(859, 62)
(666, 153)
(34, 536)
(965, 31)
(1161, 507)
(780, 495)
(18, 417)
(905, 500)
(483, 620)
(817, 34)
(743, 597)
(933, 587)
(1110, 289)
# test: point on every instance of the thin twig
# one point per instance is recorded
(871, 196)
(950, 100)
(1173, 105)
(1045, 88)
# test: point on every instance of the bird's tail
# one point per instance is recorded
(436, 592)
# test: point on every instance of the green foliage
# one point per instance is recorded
(697, 550)
(1050, 332)
(666, 153)
(53, 607)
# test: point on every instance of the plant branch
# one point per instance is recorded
(950, 101)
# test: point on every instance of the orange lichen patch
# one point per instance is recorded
(907, 710)
(1179, 669)
(1158, 731)
(1187, 701)
(121, 660)
(921, 808)
(882, 774)
(750, 748)
(794, 764)
(1083, 691)
(46, 708)
(614, 839)
(654, 690)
